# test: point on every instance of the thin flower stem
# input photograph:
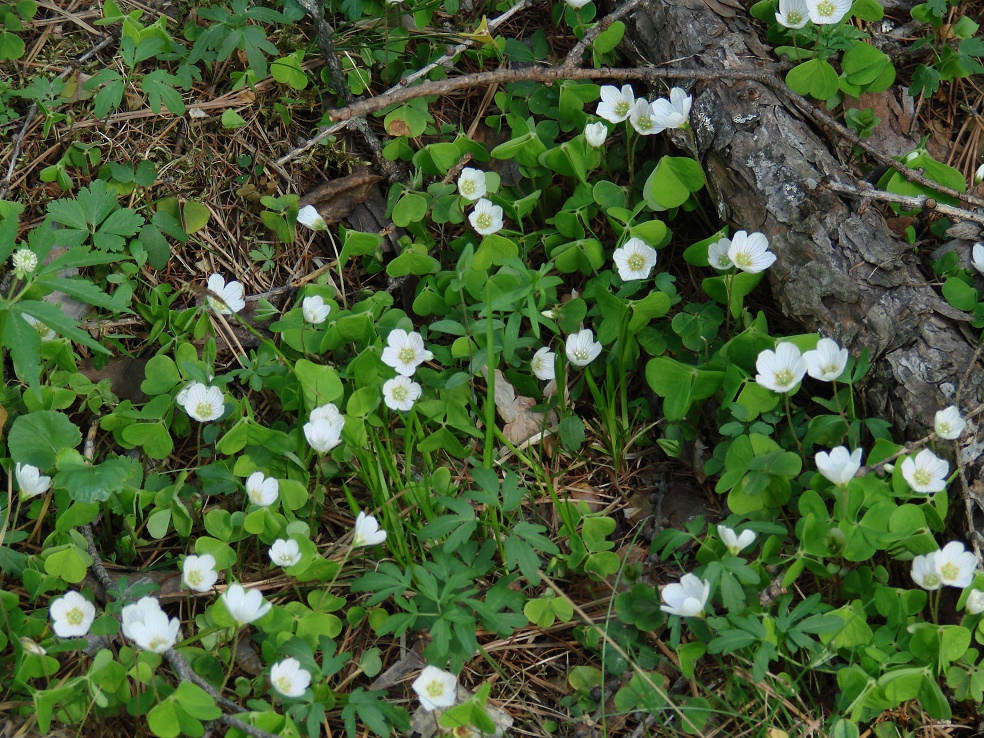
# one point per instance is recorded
(792, 428)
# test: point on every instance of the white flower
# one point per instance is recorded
(309, 217)
(314, 310)
(182, 397)
(673, 113)
(288, 678)
(717, 255)
(979, 177)
(926, 473)
(577, 4)
(147, 625)
(750, 253)
(827, 361)
(202, 403)
(615, 105)
(486, 218)
(30, 481)
(400, 392)
(839, 466)
(948, 423)
(43, 330)
(262, 490)
(71, 615)
(405, 351)
(471, 184)
(32, 647)
(198, 572)
(975, 602)
(322, 436)
(827, 12)
(542, 364)
(793, 13)
(780, 370)
(978, 262)
(686, 599)
(581, 348)
(330, 413)
(924, 572)
(435, 688)
(641, 118)
(243, 606)
(24, 262)
(285, 552)
(229, 296)
(595, 134)
(955, 565)
(735, 543)
(635, 259)
(367, 531)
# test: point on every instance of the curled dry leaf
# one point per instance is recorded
(520, 422)
(337, 198)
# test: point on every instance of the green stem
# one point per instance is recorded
(792, 428)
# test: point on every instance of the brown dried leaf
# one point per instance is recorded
(124, 374)
(520, 422)
(336, 199)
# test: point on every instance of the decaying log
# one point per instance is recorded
(841, 271)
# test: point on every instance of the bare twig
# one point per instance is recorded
(909, 202)
(33, 111)
(444, 61)
(327, 46)
(577, 53)
(767, 77)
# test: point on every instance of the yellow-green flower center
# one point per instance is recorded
(406, 355)
(922, 478)
(784, 377)
(826, 9)
(484, 220)
(203, 410)
(194, 577)
(794, 17)
(75, 616)
(636, 262)
(467, 187)
(950, 571)
(435, 689)
(621, 108)
(400, 393)
(743, 259)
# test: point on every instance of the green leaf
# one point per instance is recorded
(96, 483)
(36, 438)
(11, 46)
(157, 247)
(25, 346)
(608, 39)
(960, 294)
(672, 182)
(287, 71)
(232, 119)
(158, 86)
(814, 77)
(163, 720)
(154, 438)
(680, 385)
(411, 262)
(410, 209)
(571, 431)
(70, 563)
(319, 384)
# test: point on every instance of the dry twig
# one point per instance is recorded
(909, 202)
(767, 77)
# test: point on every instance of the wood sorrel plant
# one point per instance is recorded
(346, 479)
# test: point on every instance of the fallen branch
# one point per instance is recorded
(909, 202)
(767, 76)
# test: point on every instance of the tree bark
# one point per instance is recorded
(840, 270)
